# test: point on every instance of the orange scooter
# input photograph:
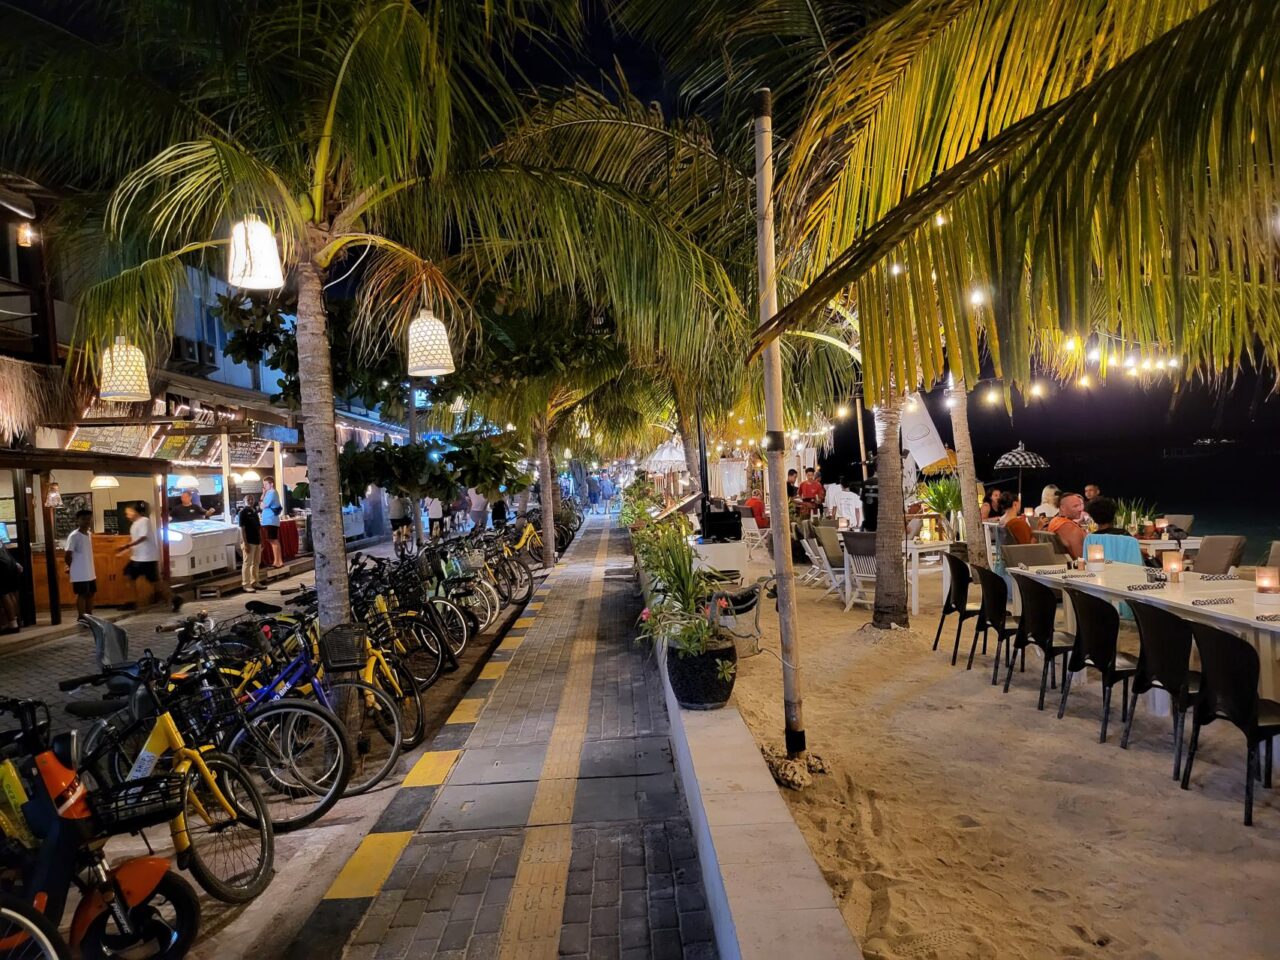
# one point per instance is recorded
(54, 833)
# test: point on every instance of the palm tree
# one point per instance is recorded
(891, 529)
(361, 132)
(958, 399)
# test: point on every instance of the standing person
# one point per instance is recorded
(607, 492)
(498, 510)
(793, 489)
(435, 517)
(144, 552)
(479, 509)
(812, 493)
(10, 585)
(401, 517)
(593, 491)
(1091, 493)
(250, 544)
(79, 556)
(271, 510)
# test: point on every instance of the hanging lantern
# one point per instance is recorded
(103, 482)
(429, 353)
(255, 260)
(26, 233)
(250, 476)
(124, 374)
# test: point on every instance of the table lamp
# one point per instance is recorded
(1267, 582)
(1096, 558)
(1171, 560)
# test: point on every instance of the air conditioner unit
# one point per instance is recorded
(208, 357)
(184, 354)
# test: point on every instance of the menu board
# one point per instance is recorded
(203, 448)
(122, 440)
(247, 451)
(64, 516)
(172, 446)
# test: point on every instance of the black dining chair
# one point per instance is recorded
(1097, 629)
(1229, 669)
(995, 616)
(1036, 628)
(1164, 663)
(957, 601)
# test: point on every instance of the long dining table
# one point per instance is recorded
(1235, 609)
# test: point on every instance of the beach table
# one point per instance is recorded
(916, 550)
(1155, 545)
(1240, 616)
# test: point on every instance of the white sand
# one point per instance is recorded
(959, 822)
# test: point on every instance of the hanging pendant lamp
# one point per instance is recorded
(429, 353)
(255, 260)
(124, 374)
(103, 482)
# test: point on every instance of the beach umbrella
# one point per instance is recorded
(1021, 459)
(667, 458)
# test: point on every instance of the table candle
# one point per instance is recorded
(1172, 562)
(1267, 582)
(1096, 556)
(1162, 528)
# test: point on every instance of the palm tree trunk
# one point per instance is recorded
(315, 377)
(689, 439)
(891, 529)
(972, 520)
(546, 483)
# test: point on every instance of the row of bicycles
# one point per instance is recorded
(247, 729)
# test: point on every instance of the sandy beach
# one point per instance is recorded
(958, 822)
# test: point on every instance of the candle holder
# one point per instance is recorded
(1162, 528)
(1096, 558)
(1267, 583)
(1171, 561)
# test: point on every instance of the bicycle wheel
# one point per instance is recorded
(451, 620)
(521, 579)
(419, 649)
(478, 604)
(413, 718)
(230, 856)
(298, 756)
(166, 925)
(373, 724)
(27, 934)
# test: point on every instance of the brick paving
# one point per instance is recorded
(517, 857)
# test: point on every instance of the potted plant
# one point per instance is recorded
(701, 664)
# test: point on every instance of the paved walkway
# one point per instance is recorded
(545, 820)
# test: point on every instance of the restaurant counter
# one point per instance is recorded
(114, 588)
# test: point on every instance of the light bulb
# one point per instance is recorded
(1070, 344)
(1085, 382)
(1131, 371)
(896, 269)
(1093, 356)
(993, 396)
(842, 411)
(1131, 361)
(977, 298)
(1037, 390)
(939, 220)
(1146, 364)
(1173, 361)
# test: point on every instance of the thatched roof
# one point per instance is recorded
(33, 394)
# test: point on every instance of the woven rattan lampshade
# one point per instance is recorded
(124, 374)
(255, 260)
(429, 353)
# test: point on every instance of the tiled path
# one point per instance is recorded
(545, 820)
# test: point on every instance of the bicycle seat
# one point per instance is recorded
(262, 608)
(93, 709)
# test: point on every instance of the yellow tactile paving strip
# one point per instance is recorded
(368, 869)
(432, 768)
(531, 927)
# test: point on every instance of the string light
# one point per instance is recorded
(939, 220)
(977, 298)
(842, 411)
(1071, 344)
(993, 397)
(1037, 390)
(1094, 355)
(1085, 382)
(1146, 364)
(896, 269)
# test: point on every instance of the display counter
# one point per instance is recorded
(198, 547)
(114, 588)
(352, 523)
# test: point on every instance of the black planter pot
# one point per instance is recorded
(695, 680)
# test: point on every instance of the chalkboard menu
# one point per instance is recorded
(172, 446)
(64, 517)
(202, 449)
(247, 451)
(122, 440)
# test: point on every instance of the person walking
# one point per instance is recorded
(479, 509)
(79, 557)
(271, 511)
(607, 492)
(250, 545)
(435, 517)
(144, 553)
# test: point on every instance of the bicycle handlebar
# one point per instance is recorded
(91, 679)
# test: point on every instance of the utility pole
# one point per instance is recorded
(775, 432)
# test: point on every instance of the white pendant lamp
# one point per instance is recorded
(186, 482)
(124, 374)
(255, 259)
(429, 353)
(103, 482)
(250, 476)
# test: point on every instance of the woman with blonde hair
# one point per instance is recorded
(1048, 508)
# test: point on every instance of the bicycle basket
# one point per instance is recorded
(137, 804)
(202, 712)
(344, 648)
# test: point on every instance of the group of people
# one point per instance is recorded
(143, 549)
(255, 524)
(1071, 517)
(471, 510)
(811, 497)
(601, 493)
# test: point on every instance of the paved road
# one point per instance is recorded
(545, 819)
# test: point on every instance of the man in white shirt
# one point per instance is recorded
(479, 508)
(79, 556)
(435, 517)
(144, 552)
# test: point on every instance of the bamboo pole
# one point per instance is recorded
(862, 435)
(775, 433)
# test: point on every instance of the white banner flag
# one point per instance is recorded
(919, 435)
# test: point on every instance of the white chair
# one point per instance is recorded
(752, 535)
(859, 550)
(819, 536)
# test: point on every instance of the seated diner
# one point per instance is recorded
(1066, 526)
